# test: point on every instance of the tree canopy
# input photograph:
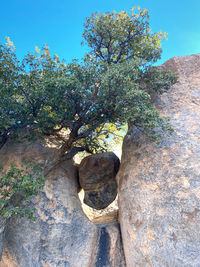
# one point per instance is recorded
(82, 103)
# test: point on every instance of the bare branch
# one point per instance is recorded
(4, 138)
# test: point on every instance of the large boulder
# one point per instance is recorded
(62, 235)
(159, 184)
(97, 177)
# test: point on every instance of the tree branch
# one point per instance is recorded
(64, 157)
(72, 137)
(74, 151)
(87, 132)
(4, 139)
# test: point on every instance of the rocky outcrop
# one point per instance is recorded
(159, 184)
(61, 235)
(97, 177)
(159, 196)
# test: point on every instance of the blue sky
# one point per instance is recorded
(59, 23)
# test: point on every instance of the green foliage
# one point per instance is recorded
(16, 188)
(82, 103)
(117, 37)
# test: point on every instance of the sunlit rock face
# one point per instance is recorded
(159, 184)
(62, 235)
(97, 177)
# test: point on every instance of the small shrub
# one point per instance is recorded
(16, 188)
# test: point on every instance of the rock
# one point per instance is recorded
(110, 250)
(159, 185)
(102, 197)
(97, 177)
(7, 260)
(107, 215)
(2, 235)
(97, 170)
(62, 235)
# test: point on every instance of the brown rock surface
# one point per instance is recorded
(159, 184)
(62, 235)
(110, 252)
(97, 177)
(7, 260)
(107, 215)
(3, 222)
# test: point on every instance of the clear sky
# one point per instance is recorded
(59, 23)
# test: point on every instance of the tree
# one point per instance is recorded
(78, 102)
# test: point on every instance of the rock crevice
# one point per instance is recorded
(62, 235)
(158, 188)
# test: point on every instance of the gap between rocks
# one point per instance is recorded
(107, 215)
(98, 196)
